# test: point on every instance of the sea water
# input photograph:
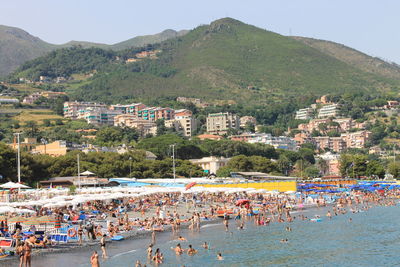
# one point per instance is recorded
(371, 238)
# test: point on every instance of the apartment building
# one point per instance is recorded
(30, 99)
(155, 113)
(71, 109)
(304, 114)
(184, 125)
(129, 108)
(220, 123)
(356, 139)
(55, 149)
(183, 113)
(281, 142)
(98, 116)
(336, 144)
(143, 127)
(329, 111)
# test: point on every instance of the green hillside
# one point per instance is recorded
(226, 60)
(17, 46)
(222, 60)
(353, 57)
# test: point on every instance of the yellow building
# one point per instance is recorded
(57, 148)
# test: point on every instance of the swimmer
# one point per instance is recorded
(284, 240)
(205, 245)
(191, 251)
(94, 260)
(329, 215)
(138, 264)
(288, 229)
(241, 226)
(350, 219)
(219, 256)
(181, 238)
(178, 249)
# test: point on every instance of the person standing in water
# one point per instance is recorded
(150, 251)
(94, 260)
(103, 246)
(226, 223)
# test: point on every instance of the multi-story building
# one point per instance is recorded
(304, 114)
(155, 113)
(98, 116)
(30, 99)
(220, 123)
(184, 125)
(282, 142)
(336, 144)
(247, 120)
(183, 113)
(129, 109)
(71, 109)
(302, 138)
(57, 148)
(329, 111)
(143, 127)
(356, 139)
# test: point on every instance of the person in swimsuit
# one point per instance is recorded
(21, 253)
(219, 256)
(80, 234)
(178, 249)
(191, 251)
(205, 245)
(27, 253)
(150, 251)
(94, 260)
(103, 246)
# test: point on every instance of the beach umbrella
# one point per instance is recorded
(46, 219)
(6, 209)
(3, 218)
(32, 221)
(87, 173)
(17, 219)
(12, 185)
(190, 185)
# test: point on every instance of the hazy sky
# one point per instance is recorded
(367, 25)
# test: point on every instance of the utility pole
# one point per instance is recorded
(173, 161)
(130, 167)
(79, 172)
(19, 161)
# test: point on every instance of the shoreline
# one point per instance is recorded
(71, 247)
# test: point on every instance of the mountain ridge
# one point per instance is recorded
(17, 46)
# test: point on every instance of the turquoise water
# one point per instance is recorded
(371, 239)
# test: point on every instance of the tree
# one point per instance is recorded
(375, 168)
(161, 129)
(32, 129)
(249, 127)
(46, 123)
(353, 165)
(311, 171)
(240, 163)
(224, 171)
(323, 166)
(394, 169)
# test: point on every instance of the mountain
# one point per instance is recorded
(225, 60)
(353, 57)
(139, 41)
(17, 46)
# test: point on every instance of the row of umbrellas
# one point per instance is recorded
(31, 220)
(12, 185)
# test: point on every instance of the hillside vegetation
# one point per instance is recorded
(226, 60)
(353, 57)
(17, 46)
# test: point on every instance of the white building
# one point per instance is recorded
(282, 142)
(210, 164)
(304, 114)
(98, 116)
(71, 109)
(329, 111)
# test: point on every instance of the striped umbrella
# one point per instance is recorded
(32, 221)
(17, 219)
(46, 219)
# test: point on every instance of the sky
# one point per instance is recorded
(370, 26)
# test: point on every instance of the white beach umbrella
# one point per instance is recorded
(6, 209)
(11, 185)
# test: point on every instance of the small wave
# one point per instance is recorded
(122, 253)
